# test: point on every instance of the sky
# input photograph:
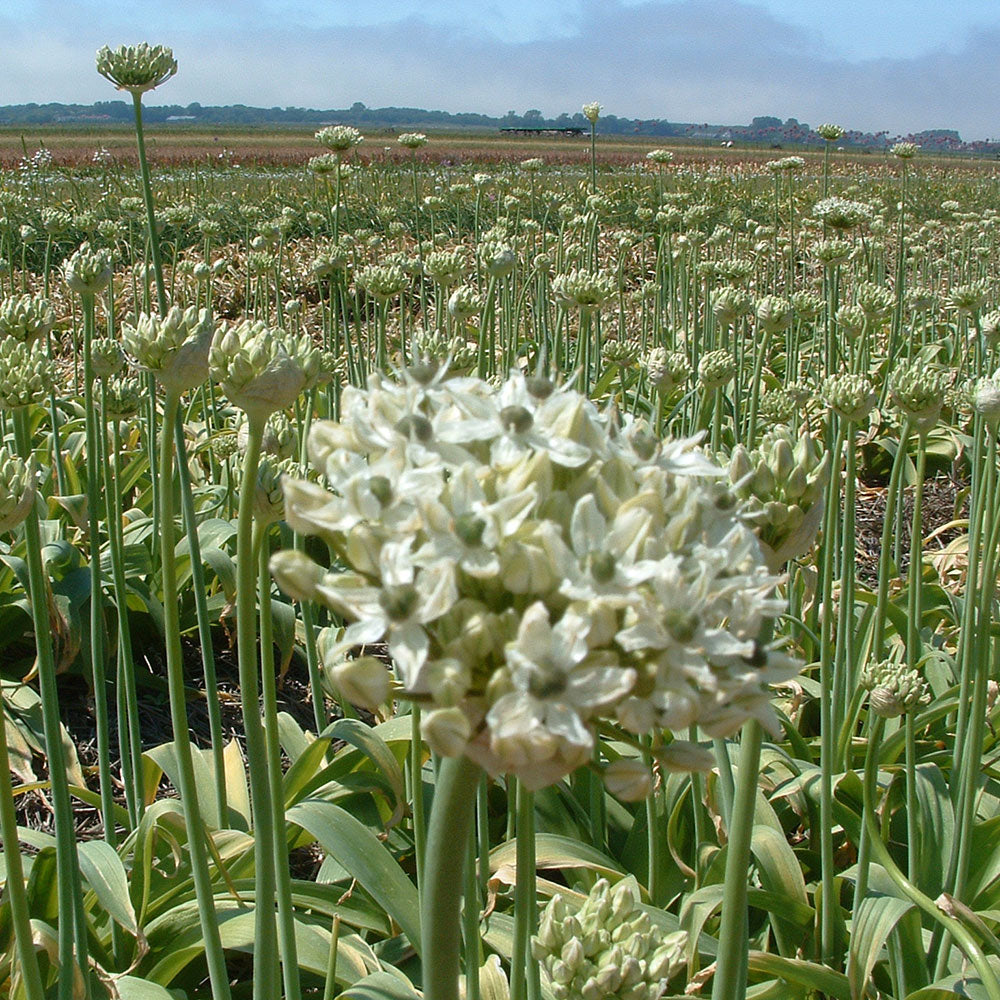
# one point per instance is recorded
(900, 65)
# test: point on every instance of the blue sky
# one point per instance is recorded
(901, 65)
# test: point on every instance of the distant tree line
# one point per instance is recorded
(763, 130)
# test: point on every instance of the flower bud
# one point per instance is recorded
(364, 682)
(446, 731)
(628, 780)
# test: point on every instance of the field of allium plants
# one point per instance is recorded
(630, 535)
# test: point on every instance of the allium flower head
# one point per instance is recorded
(17, 490)
(137, 68)
(716, 369)
(851, 397)
(382, 281)
(26, 317)
(27, 375)
(918, 391)
(608, 949)
(774, 313)
(905, 150)
(339, 138)
(584, 290)
(782, 486)
(592, 112)
(525, 559)
(729, 304)
(666, 370)
(259, 368)
(842, 213)
(895, 689)
(829, 132)
(660, 156)
(173, 347)
(88, 271)
(412, 140)
(986, 397)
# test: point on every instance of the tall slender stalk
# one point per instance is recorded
(72, 932)
(266, 982)
(440, 901)
(193, 824)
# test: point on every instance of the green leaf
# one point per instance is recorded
(371, 744)
(554, 851)
(781, 874)
(132, 988)
(802, 973)
(105, 873)
(381, 986)
(365, 857)
(873, 923)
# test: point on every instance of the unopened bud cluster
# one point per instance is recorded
(261, 370)
(851, 397)
(894, 688)
(919, 392)
(17, 490)
(584, 290)
(782, 486)
(26, 317)
(27, 375)
(173, 347)
(608, 949)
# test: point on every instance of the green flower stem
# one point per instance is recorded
(441, 898)
(14, 890)
(128, 715)
(470, 921)
(330, 986)
(96, 644)
(204, 623)
(827, 742)
(888, 521)
(846, 667)
(983, 490)
(965, 941)
(524, 893)
(416, 770)
(178, 713)
(72, 928)
(913, 650)
(266, 975)
(286, 912)
(730, 980)
(147, 197)
(727, 784)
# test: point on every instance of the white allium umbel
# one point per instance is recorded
(592, 112)
(339, 138)
(136, 68)
(88, 271)
(536, 564)
(608, 949)
(412, 140)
